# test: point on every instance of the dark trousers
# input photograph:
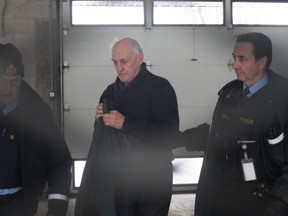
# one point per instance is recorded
(232, 199)
(12, 205)
(142, 203)
(126, 189)
(148, 194)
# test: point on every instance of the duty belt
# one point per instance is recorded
(253, 187)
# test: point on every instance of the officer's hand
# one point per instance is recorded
(57, 207)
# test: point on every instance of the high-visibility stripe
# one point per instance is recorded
(57, 196)
(276, 140)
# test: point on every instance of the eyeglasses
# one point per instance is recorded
(15, 81)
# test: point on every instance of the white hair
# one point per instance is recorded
(136, 46)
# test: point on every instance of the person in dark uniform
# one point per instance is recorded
(245, 168)
(141, 113)
(32, 148)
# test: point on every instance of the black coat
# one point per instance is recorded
(150, 108)
(236, 119)
(45, 157)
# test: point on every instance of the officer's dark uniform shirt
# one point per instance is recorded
(10, 165)
(239, 123)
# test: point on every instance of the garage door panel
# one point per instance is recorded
(83, 86)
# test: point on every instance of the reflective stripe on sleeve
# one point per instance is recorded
(57, 196)
(276, 140)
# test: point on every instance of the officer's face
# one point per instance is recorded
(9, 88)
(247, 68)
(127, 64)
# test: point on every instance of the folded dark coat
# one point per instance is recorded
(101, 175)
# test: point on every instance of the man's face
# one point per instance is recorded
(247, 68)
(127, 64)
(9, 88)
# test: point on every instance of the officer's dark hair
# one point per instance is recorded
(262, 45)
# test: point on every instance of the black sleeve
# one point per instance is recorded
(195, 139)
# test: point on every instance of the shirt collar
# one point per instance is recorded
(257, 86)
(11, 106)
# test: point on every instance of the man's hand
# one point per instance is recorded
(113, 119)
(99, 111)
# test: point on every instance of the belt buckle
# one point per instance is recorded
(260, 190)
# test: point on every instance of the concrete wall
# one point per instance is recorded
(31, 25)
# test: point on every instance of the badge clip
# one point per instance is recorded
(248, 166)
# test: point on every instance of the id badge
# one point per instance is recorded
(248, 169)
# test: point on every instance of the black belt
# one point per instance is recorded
(254, 187)
(9, 197)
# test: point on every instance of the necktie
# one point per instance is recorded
(246, 92)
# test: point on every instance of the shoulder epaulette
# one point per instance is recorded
(229, 85)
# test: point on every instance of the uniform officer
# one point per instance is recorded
(32, 149)
(245, 168)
